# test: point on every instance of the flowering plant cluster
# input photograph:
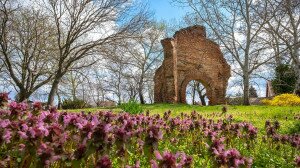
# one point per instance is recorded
(283, 100)
(271, 130)
(31, 137)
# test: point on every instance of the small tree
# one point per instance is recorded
(285, 79)
(252, 92)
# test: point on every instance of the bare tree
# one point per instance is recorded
(26, 49)
(235, 26)
(84, 27)
(117, 71)
(146, 54)
(71, 83)
(98, 86)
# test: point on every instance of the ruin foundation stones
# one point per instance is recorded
(188, 56)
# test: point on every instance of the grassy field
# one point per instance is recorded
(257, 115)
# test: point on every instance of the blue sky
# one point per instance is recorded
(165, 10)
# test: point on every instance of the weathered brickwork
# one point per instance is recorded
(189, 55)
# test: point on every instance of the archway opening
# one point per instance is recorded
(196, 93)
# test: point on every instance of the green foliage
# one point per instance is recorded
(252, 92)
(74, 104)
(295, 129)
(285, 79)
(132, 107)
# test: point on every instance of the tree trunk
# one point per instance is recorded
(297, 63)
(119, 99)
(297, 72)
(150, 96)
(103, 96)
(140, 89)
(73, 91)
(193, 92)
(83, 93)
(141, 97)
(59, 100)
(22, 95)
(53, 91)
(202, 98)
(246, 89)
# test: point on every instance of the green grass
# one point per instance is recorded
(257, 115)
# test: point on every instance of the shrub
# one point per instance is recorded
(283, 100)
(74, 104)
(132, 107)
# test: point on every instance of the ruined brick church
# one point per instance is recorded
(188, 56)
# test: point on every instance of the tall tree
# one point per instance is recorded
(118, 75)
(25, 47)
(235, 26)
(146, 54)
(98, 86)
(84, 27)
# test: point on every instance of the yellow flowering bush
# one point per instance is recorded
(283, 100)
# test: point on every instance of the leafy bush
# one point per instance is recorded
(74, 104)
(132, 107)
(283, 100)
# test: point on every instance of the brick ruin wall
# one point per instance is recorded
(188, 56)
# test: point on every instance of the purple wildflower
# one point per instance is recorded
(297, 161)
(22, 147)
(7, 136)
(3, 99)
(104, 162)
(4, 123)
(37, 106)
(22, 135)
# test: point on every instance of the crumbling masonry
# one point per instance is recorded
(188, 56)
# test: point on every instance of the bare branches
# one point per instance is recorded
(25, 48)
(84, 27)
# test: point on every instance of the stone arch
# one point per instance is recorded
(185, 82)
(184, 97)
(190, 56)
